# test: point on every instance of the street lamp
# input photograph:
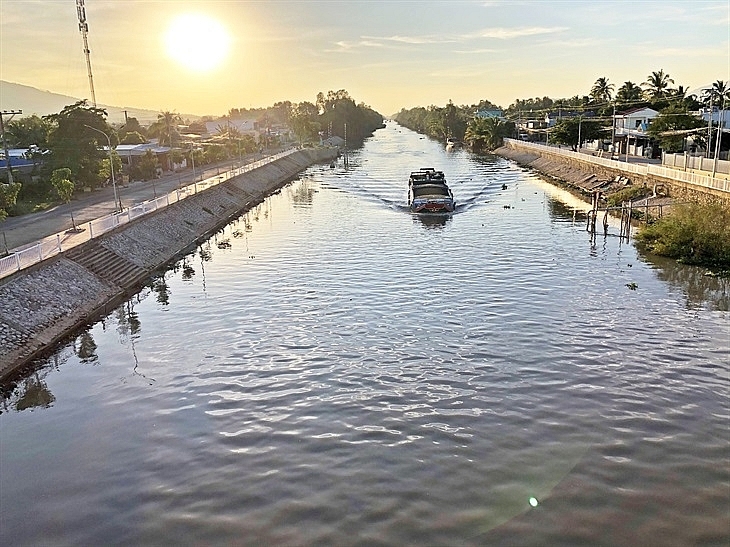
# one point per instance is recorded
(117, 203)
(192, 158)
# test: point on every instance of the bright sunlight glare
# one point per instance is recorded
(197, 42)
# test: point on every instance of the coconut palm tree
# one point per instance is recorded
(628, 92)
(716, 93)
(165, 128)
(602, 90)
(486, 133)
(657, 84)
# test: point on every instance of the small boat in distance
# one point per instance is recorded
(429, 193)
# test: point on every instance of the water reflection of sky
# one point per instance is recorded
(327, 366)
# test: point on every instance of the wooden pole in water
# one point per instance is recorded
(596, 195)
(605, 222)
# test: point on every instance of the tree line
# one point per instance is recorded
(69, 150)
(581, 117)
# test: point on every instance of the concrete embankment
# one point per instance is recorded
(587, 177)
(581, 176)
(42, 305)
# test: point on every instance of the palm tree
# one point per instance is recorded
(657, 84)
(165, 128)
(680, 92)
(716, 93)
(602, 90)
(628, 92)
(486, 133)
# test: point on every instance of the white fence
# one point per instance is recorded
(63, 241)
(701, 163)
(671, 173)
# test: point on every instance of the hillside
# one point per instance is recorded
(36, 101)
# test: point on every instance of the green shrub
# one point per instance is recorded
(627, 194)
(25, 207)
(693, 234)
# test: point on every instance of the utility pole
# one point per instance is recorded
(580, 121)
(718, 143)
(84, 28)
(10, 113)
(613, 132)
(709, 125)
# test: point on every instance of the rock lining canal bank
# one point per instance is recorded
(587, 177)
(43, 304)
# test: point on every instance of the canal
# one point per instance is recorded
(331, 370)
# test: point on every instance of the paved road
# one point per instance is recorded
(18, 232)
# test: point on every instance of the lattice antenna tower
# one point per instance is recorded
(84, 28)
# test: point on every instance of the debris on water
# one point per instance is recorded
(632, 286)
(508, 207)
(504, 187)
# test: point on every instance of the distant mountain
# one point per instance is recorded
(36, 101)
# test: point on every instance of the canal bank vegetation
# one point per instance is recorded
(80, 136)
(692, 233)
(678, 123)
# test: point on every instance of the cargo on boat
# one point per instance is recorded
(429, 193)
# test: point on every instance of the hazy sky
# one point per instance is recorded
(387, 54)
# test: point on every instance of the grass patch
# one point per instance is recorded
(692, 234)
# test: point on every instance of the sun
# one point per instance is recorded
(198, 42)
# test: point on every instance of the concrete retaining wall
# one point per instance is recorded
(43, 304)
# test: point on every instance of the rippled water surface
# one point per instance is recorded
(331, 370)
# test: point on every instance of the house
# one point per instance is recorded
(131, 154)
(629, 130)
(553, 117)
(634, 121)
(718, 116)
(23, 161)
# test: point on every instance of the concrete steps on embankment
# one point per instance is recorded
(43, 304)
(106, 264)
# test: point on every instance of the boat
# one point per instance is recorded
(429, 193)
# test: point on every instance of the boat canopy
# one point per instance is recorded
(423, 190)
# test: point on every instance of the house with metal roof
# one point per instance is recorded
(131, 155)
(23, 161)
(488, 114)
